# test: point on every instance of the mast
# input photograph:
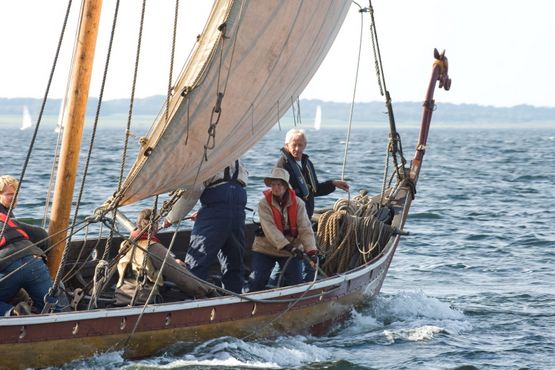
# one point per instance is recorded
(74, 120)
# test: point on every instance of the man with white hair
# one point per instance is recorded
(303, 178)
(302, 174)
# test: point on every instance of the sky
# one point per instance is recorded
(501, 52)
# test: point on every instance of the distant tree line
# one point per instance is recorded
(369, 112)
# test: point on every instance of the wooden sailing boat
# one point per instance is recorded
(288, 39)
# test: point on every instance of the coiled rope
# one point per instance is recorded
(351, 234)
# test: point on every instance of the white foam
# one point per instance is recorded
(417, 334)
(410, 305)
(361, 323)
(233, 352)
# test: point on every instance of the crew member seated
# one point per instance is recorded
(21, 258)
(287, 231)
(140, 266)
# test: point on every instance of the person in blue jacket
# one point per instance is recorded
(219, 230)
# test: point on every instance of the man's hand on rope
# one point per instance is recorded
(166, 224)
(294, 251)
(343, 185)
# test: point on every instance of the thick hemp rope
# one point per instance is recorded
(350, 234)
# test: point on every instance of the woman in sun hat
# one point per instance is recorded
(287, 232)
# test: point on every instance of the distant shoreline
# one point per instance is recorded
(405, 112)
(140, 124)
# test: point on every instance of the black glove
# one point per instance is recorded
(313, 255)
(294, 251)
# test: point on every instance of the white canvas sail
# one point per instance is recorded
(26, 120)
(318, 118)
(269, 53)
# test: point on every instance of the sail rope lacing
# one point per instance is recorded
(41, 112)
(220, 92)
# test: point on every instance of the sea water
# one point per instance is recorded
(471, 287)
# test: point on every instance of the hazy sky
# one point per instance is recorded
(501, 52)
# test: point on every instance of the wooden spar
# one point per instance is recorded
(439, 73)
(74, 120)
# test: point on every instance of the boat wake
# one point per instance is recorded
(384, 321)
(410, 316)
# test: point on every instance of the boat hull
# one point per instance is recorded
(46, 340)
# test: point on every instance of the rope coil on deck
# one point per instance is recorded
(351, 234)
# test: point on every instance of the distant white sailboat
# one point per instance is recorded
(318, 118)
(60, 123)
(26, 120)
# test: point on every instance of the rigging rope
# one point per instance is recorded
(128, 129)
(41, 112)
(132, 98)
(394, 145)
(60, 271)
(353, 99)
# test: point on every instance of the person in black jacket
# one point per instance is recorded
(303, 179)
